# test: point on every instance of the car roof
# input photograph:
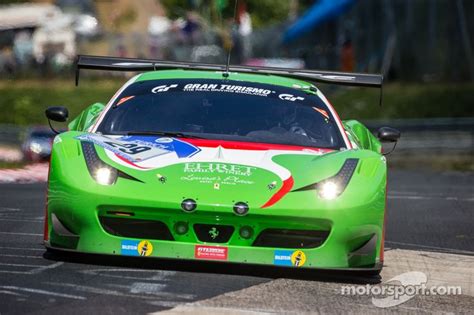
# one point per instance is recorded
(217, 75)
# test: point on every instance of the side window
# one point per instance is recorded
(86, 118)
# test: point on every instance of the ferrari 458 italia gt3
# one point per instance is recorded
(245, 165)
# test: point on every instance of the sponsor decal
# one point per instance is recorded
(218, 168)
(210, 252)
(227, 88)
(124, 99)
(141, 148)
(298, 258)
(217, 181)
(272, 185)
(290, 97)
(163, 88)
(295, 258)
(145, 248)
(129, 248)
(136, 248)
(161, 178)
(182, 148)
(282, 257)
(322, 112)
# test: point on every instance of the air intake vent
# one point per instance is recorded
(128, 227)
(282, 238)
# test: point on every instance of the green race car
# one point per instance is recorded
(243, 165)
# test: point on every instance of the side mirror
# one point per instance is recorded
(387, 134)
(57, 113)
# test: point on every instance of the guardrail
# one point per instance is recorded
(425, 124)
(443, 135)
(11, 134)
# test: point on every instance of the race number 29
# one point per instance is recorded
(129, 148)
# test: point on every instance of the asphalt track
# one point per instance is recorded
(430, 212)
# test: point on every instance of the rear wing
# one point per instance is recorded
(134, 65)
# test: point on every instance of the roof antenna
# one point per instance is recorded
(225, 74)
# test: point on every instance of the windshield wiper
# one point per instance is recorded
(163, 133)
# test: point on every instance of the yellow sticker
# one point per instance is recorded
(298, 258)
(145, 248)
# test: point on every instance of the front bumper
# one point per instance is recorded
(350, 238)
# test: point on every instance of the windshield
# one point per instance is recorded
(224, 110)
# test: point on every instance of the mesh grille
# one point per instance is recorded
(290, 238)
(135, 228)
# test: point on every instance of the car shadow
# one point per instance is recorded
(195, 266)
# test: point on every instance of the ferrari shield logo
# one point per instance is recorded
(214, 233)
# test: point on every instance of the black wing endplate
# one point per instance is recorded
(133, 65)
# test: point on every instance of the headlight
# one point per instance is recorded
(105, 175)
(333, 187)
(36, 147)
(328, 190)
(102, 173)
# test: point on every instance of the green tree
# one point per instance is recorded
(263, 12)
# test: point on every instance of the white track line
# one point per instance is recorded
(451, 250)
(41, 269)
(18, 233)
(95, 290)
(20, 265)
(23, 248)
(154, 274)
(414, 197)
(7, 209)
(34, 271)
(21, 220)
(15, 272)
(21, 256)
(37, 291)
(12, 293)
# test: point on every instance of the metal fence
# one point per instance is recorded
(422, 40)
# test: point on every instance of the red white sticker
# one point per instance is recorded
(322, 112)
(210, 252)
(124, 99)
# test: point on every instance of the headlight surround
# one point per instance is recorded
(101, 172)
(334, 186)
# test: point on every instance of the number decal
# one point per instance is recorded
(129, 148)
